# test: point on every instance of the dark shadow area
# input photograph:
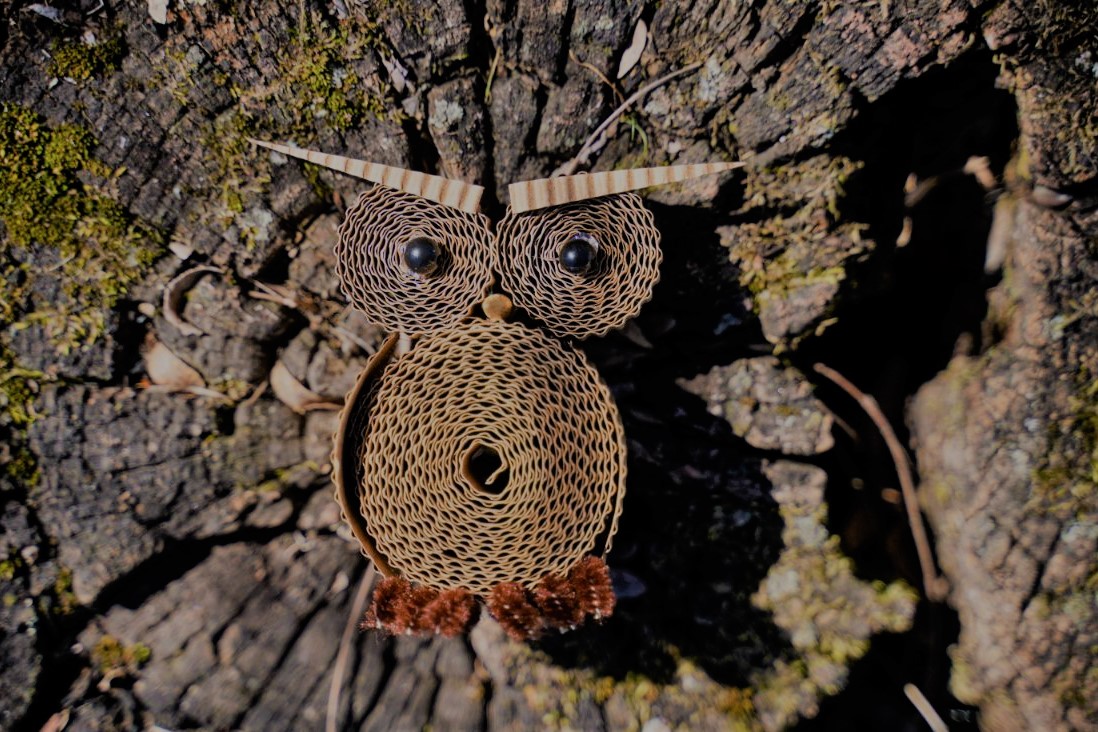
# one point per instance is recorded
(912, 309)
(699, 530)
(486, 469)
(915, 305)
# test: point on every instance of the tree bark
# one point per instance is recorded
(172, 555)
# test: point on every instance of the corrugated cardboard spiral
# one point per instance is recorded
(525, 252)
(371, 268)
(626, 266)
(532, 408)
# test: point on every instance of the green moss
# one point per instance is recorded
(111, 655)
(64, 599)
(813, 594)
(315, 87)
(1066, 480)
(18, 389)
(233, 388)
(101, 249)
(792, 233)
(312, 174)
(226, 145)
(81, 61)
(315, 73)
(21, 466)
(416, 18)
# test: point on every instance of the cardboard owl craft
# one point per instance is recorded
(486, 465)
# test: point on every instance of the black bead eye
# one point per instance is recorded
(421, 255)
(578, 253)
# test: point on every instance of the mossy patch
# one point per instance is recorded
(9, 568)
(81, 61)
(792, 245)
(827, 611)
(113, 656)
(59, 229)
(18, 389)
(315, 71)
(62, 599)
(1067, 478)
(51, 216)
(232, 157)
(319, 83)
(792, 225)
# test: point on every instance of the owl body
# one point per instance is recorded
(487, 464)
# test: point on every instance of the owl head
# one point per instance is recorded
(486, 465)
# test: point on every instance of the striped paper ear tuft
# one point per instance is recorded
(453, 193)
(545, 192)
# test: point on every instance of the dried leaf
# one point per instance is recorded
(633, 332)
(181, 250)
(173, 298)
(632, 55)
(45, 11)
(158, 11)
(168, 370)
(397, 73)
(294, 394)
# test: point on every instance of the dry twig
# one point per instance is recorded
(358, 607)
(595, 140)
(934, 585)
(923, 706)
(601, 76)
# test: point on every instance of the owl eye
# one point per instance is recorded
(411, 231)
(577, 256)
(583, 268)
(411, 264)
(422, 255)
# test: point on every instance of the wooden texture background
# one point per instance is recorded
(918, 210)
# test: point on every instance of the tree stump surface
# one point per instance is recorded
(917, 210)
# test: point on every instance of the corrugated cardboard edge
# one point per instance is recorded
(345, 456)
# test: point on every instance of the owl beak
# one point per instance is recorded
(544, 192)
(453, 193)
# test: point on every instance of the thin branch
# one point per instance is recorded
(601, 76)
(277, 299)
(592, 143)
(923, 706)
(934, 585)
(275, 294)
(344, 333)
(331, 724)
(492, 74)
(258, 392)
